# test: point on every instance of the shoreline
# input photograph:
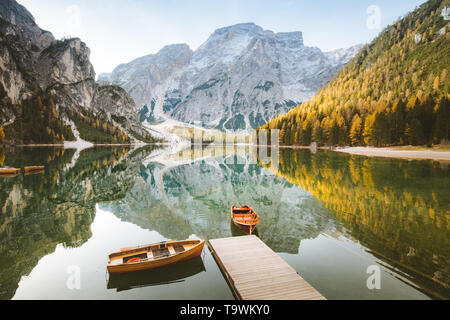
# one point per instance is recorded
(72, 147)
(397, 152)
(401, 152)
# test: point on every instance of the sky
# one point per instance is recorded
(118, 31)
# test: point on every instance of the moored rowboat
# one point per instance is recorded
(162, 276)
(245, 218)
(9, 171)
(154, 255)
(34, 169)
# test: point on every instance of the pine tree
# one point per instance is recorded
(2, 135)
(442, 127)
(355, 131)
(415, 133)
(436, 83)
(369, 132)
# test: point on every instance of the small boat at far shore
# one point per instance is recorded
(245, 218)
(154, 256)
(9, 171)
(34, 169)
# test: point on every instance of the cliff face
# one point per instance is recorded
(114, 104)
(42, 73)
(21, 41)
(64, 67)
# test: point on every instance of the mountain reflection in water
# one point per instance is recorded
(397, 211)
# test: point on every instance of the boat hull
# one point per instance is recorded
(248, 229)
(34, 169)
(194, 252)
(160, 276)
(9, 172)
(251, 222)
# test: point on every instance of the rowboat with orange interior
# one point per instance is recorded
(154, 256)
(34, 169)
(245, 218)
(9, 171)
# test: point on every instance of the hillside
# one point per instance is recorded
(395, 91)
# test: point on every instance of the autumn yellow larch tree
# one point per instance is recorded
(2, 135)
(355, 131)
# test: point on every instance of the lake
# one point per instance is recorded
(333, 217)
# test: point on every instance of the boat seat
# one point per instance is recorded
(178, 248)
(159, 253)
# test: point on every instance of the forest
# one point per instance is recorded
(37, 121)
(395, 91)
(93, 129)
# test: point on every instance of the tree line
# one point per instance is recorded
(394, 92)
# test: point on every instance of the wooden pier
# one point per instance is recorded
(255, 272)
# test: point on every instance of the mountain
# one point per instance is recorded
(241, 77)
(395, 91)
(343, 55)
(47, 84)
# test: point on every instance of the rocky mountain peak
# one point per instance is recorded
(239, 29)
(16, 14)
(65, 62)
(174, 50)
(240, 77)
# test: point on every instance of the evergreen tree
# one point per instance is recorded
(2, 135)
(355, 132)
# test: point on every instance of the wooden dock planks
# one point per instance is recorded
(255, 272)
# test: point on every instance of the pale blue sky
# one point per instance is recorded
(118, 31)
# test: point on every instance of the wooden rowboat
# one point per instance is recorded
(154, 256)
(9, 171)
(34, 169)
(245, 218)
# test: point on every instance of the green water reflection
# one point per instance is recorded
(38, 212)
(399, 210)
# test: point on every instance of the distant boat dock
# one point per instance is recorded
(255, 272)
